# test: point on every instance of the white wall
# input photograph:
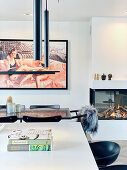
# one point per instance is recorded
(79, 44)
(109, 55)
(109, 46)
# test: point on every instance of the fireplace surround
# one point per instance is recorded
(110, 103)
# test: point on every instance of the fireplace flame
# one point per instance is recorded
(113, 114)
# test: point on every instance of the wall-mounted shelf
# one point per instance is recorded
(109, 84)
(27, 72)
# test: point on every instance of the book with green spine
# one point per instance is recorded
(27, 147)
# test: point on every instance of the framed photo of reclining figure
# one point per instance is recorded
(17, 56)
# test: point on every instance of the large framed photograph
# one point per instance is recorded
(17, 55)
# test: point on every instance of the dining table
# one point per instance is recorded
(71, 150)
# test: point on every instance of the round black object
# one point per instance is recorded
(103, 77)
(105, 153)
(115, 167)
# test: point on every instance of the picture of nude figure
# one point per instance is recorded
(17, 55)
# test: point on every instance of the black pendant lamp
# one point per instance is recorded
(37, 29)
(38, 32)
(46, 36)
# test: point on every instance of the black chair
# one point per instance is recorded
(115, 167)
(3, 106)
(9, 119)
(42, 119)
(76, 112)
(105, 153)
(45, 106)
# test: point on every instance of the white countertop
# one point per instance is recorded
(71, 149)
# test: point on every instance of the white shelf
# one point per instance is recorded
(109, 84)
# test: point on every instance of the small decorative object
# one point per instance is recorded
(18, 108)
(11, 109)
(103, 77)
(9, 100)
(90, 119)
(109, 76)
(97, 76)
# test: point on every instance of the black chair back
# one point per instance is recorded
(3, 106)
(45, 106)
(9, 119)
(42, 119)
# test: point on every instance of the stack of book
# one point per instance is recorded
(30, 140)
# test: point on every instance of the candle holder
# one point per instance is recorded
(10, 109)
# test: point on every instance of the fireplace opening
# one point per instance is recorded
(111, 104)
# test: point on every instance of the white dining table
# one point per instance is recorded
(71, 150)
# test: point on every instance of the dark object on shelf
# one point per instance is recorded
(28, 72)
(45, 106)
(9, 119)
(109, 76)
(115, 167)
(105, 153)
(103, 77)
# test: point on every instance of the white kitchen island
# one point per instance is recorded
(71, 150)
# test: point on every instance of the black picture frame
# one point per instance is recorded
(30, 40)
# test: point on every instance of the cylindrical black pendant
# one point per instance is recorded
(37, 29)
(46, 37)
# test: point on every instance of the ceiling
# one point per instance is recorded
(65, 10)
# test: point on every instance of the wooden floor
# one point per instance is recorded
(122, 158)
